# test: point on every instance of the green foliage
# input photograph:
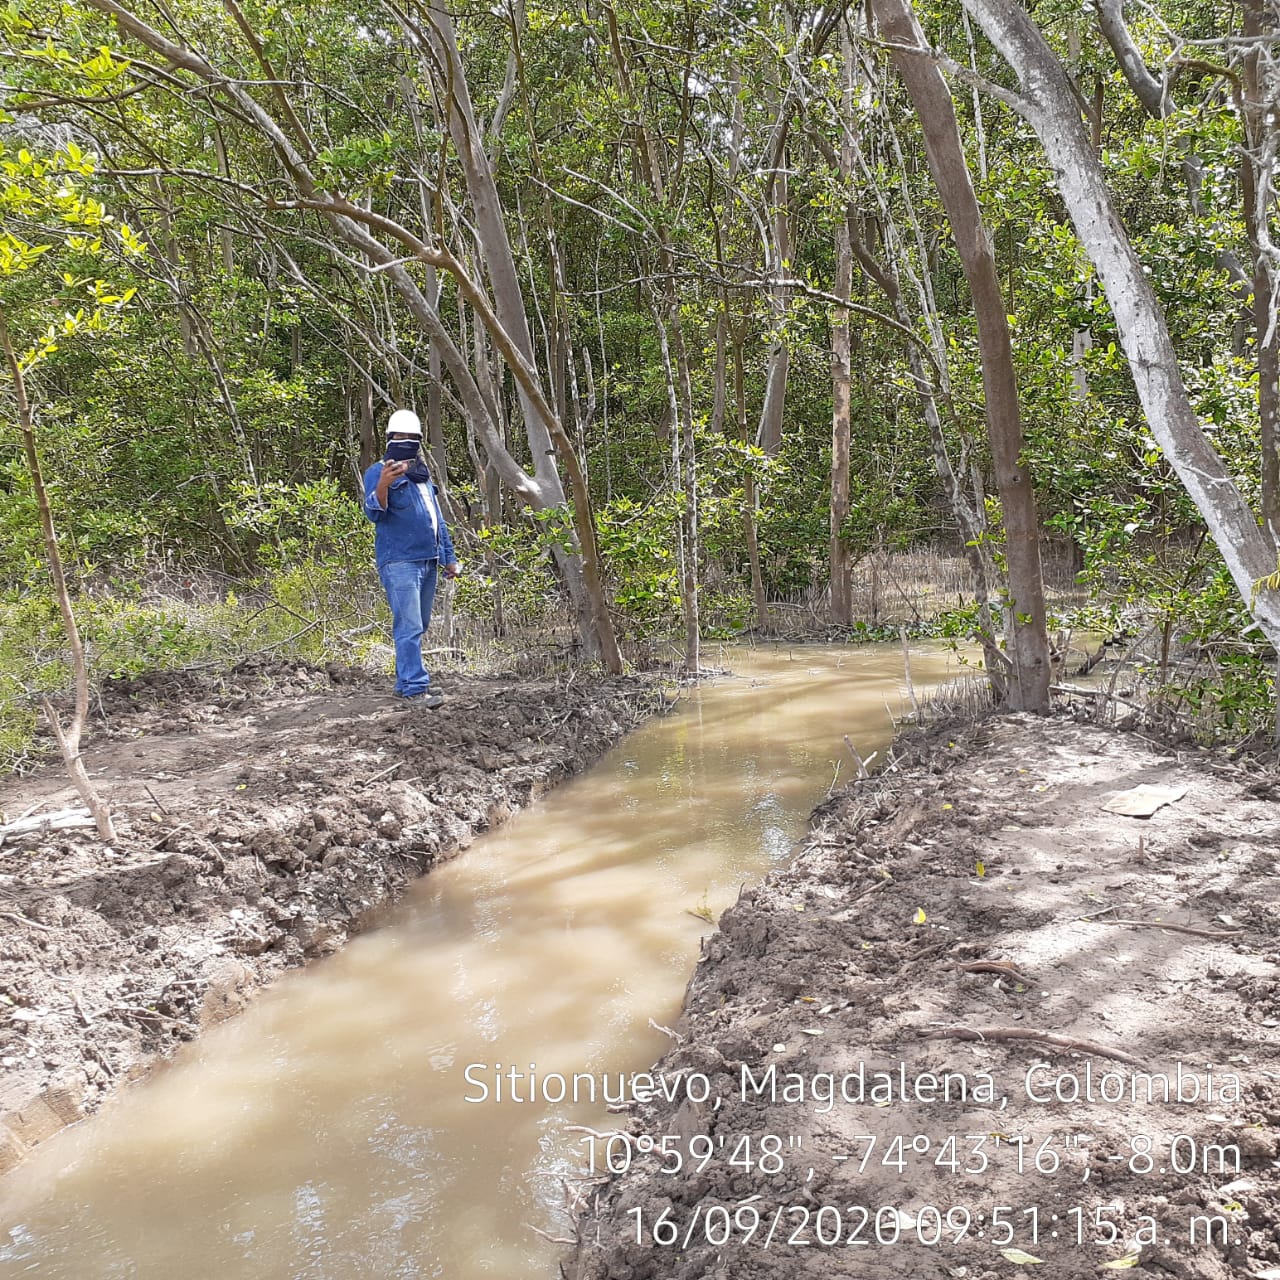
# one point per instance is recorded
(638, 541)
(221, 427)
(306, 522)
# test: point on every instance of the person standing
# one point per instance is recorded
(411, 545)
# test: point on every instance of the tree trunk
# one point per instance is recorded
(69, 738)
(839, 560)
(675, 364)
(749, 496)
(1256, 196)
(1028, 688)
(369, 450)
(841, 572)
(1048, 104)
(769, 436)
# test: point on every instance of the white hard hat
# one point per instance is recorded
(406, 422)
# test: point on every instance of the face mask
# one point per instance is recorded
(402, 450)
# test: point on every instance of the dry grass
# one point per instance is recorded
(911, 587)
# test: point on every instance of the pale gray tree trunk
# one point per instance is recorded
(68, 737)
(1048, 104)
(840, 564)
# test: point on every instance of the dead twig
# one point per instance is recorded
(843, 913)
(138, 1012)
(858, 760)
(80, 1009)
(1106, 911)
(377, 777)
(21, 919)
(554, 1239)
(1002, 967)
(1039, 1037)
(164, 839)
(666, 1031)
(1214, 934)
(906, 671)
(875, 888)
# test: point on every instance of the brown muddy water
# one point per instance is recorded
(340, 1128)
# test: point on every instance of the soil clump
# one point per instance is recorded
(263, 815)
(939, 1044)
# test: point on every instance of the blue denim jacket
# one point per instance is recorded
(403, 530)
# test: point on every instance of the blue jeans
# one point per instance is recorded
(411, 590)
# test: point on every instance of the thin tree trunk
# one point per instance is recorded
(226, 239)
(68, 739)
(968, 516)
(750, 498)
(840, 562)
(490, 224)
(1256, 197)
(670, 328)
(769, 435)
(684, 472)
(1028, 642)
(369, 451)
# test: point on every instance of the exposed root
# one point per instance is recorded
(1039, 1037)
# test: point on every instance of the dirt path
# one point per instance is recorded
(263, 816)
(937, 1045)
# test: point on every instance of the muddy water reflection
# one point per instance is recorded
(324, 1134)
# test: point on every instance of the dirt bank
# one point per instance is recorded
(263, 815)
(937, 1045)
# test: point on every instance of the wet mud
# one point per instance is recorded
(939, 1045)
(263, 816)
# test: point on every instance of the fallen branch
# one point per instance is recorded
(1104, 694)
(266, 648)
(62, 820)
(1040, 1037)
(1215, 934)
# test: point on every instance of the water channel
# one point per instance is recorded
(326, 1133)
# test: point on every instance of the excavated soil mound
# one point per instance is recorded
(983, 1027)
(262, 816)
